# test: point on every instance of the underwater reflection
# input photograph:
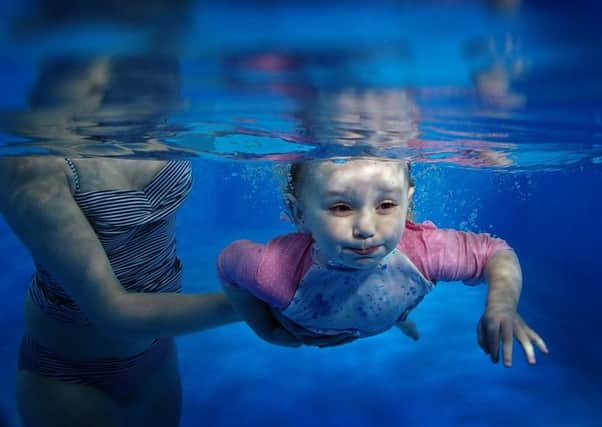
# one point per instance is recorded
(163, 20)
(104, 105)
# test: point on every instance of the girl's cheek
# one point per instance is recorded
(337, 229)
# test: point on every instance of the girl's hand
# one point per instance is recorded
(409, 328)
(503, 322)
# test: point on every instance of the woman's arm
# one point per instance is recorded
(37, 203)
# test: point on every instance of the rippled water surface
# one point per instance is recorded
(454, 82)
(497, 103)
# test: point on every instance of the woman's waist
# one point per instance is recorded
(152, 277)
(77, 341)
(48, 294)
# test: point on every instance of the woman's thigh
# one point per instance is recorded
(158, 400)
(46, 402)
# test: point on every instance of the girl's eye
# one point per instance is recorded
(340, 209)
(386, 206)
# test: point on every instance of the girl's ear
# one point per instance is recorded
(296, 212)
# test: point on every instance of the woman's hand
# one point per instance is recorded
(279, 335)
(313, 339)
(277, 329)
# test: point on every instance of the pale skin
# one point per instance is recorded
(355, 211)
(37, 203)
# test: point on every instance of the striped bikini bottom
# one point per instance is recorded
(117, 377)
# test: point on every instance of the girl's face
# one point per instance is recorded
(354, 209)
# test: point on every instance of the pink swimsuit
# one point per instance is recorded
(278, 272)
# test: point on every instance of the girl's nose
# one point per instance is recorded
(364, 226)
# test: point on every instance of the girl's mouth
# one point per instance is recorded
(365, 251)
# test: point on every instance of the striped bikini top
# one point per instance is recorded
(136, 229)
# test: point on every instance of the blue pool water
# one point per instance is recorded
(501, 112)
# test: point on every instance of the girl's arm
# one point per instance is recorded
(505, 279)
(37, 203)
(501, 319)
(452, 255)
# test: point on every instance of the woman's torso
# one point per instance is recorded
(90, 178)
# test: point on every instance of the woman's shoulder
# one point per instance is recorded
(32, 170)
(31, 165)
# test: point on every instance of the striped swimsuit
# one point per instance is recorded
(137, 231)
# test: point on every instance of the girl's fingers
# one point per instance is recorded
(482, 338)
(539, 342)
(507, 341)
(525, 341)
(493, 341)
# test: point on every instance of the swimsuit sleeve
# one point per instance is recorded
(447, 254)
(270, 272)
(237, 264)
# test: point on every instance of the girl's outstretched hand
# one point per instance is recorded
(502, 322)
